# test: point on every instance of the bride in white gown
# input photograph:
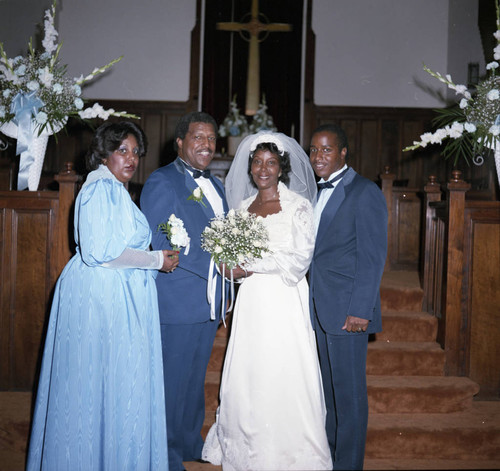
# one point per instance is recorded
(272, 412)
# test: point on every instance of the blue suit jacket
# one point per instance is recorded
(182, 294)
(349, 256)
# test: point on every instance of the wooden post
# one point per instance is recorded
(454, 274)
(432, 192)
(67, 179)
(387, 185)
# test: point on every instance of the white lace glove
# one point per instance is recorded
(134, 258)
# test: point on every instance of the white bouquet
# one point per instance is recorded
(238, 238)
(176, 233)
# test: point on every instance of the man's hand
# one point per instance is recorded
(355, 324)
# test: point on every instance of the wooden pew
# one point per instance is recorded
(461, 280)
(35, 235)
(404, 224)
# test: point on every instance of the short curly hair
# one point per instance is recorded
(182, 127)
(283, 159)
(108, 138)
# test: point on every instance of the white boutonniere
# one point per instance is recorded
(176, 233)
(197, 195)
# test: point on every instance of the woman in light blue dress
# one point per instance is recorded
(100, 401)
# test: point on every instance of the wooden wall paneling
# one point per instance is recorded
(368, 155)
(390, 143)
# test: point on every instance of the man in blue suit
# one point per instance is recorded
(344, 279)
(188, 327)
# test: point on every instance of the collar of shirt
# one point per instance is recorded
(333, 175)
(324, 196)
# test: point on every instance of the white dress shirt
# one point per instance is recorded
(324, 196)
(210, 192)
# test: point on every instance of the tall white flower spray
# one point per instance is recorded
(472, 126)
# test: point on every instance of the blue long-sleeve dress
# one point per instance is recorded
(100, 400)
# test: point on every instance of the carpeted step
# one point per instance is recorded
(218, 353)
(420, 464)
(395, 394)
(470, 434)
(405, 358)
(408, 326)
(212, 384)
(420, 394)
(401, 291)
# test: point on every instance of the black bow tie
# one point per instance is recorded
(329, 183)
(197, 173)
(201, 173)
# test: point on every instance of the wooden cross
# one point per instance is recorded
(254, 27)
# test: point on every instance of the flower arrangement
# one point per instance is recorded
(238, 238)
(234, 124)
(197, 195)
(261, 120)
(176, 233)
(38, 83)
(474, 123)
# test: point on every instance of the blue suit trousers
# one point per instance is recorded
(343, 368)
(186, 353)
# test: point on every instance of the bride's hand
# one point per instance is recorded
(238, 272)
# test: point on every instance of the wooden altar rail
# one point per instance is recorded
(461, 280)
(35, 229)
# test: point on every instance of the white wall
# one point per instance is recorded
(154, 36)
(370, 53)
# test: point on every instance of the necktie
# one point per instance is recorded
(329, 183)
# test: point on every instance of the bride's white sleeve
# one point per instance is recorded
(292, 262)
(134, 258)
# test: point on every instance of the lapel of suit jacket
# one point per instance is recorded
(191, 185)
(220, 190)
(333, 204)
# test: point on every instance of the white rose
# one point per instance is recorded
(218, 249)
(493, 95)
(197, 192)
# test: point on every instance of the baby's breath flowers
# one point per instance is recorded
(238, 238)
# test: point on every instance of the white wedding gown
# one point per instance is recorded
(272, 412)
